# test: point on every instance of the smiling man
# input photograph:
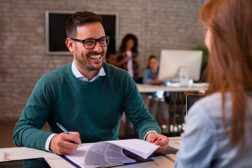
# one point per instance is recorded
(87, 97)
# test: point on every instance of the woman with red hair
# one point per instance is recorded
(219, 127)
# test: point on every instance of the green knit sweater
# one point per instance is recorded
(94, 109)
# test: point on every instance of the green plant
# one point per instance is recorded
(205, 52)
(203, 71)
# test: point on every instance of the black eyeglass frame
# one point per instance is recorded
(96, 40)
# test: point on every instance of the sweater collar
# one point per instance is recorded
(78, 75)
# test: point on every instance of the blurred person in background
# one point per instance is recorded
(155, 101)
(110, 57)
(126, 57)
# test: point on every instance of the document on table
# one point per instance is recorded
(110, 153)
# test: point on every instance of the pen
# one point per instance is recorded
(62, 128)
(65, 130)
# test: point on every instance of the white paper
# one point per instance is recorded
(79, 155)
(104, 153)
(137, 146)
(111, 152)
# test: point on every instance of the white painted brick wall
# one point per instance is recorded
(158, 24)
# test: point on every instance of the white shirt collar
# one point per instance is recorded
(78, 75)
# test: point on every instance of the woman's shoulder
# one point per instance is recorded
(209, 99)
(209, 102)
(210, 107)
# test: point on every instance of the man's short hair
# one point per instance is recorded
(79, 19)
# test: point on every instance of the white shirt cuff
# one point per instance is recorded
(48, 142)
(148, 133)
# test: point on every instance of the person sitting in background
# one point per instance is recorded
(218, 127)
(110, 57)
(155, 101)
(126, 57)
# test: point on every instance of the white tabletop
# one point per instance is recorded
(17, 153)
(173, 88)
(55, 161)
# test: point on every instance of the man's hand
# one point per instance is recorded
(60, 144)
(158, 139)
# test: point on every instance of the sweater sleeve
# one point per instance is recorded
(27, 131)
(199, 140)
(136, 111)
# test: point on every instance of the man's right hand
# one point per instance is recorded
(60, 144)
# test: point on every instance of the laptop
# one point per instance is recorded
(191, 99)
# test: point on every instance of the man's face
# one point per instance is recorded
(89, 59)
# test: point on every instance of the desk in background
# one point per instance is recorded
(177, 108)
(197, 87)
(55, 161)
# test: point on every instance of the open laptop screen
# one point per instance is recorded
(191, 99)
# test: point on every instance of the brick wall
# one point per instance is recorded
(158, 24)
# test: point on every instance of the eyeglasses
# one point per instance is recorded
(91, 43)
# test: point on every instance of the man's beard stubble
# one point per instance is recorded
(87, 64)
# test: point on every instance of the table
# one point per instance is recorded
(55, 161)
(196, 87)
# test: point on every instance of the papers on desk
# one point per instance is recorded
(110, 153)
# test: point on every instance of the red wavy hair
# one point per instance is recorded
(230, 62)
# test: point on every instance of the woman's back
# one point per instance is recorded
(210, 146)
(219, 126)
